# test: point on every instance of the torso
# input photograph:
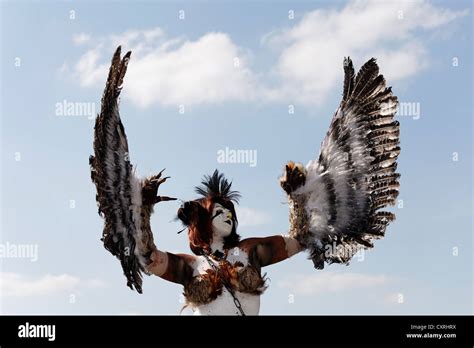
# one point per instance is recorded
(203, 288)
(224, 305)
(243, 274)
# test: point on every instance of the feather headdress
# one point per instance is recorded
(217, 187)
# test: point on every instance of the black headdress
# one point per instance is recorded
(218, 188)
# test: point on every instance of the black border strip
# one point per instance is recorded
(287, 330)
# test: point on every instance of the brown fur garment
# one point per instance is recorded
(250, 281)
(203, 288)
(207, 287)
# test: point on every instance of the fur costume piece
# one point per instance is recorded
(207, 287)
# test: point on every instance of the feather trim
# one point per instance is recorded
(354, 176)
(127, 234)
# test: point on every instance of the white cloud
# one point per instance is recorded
(95, 283)
(327, 282)
(13, 284)
(19, 285)
(87, 69)
(136, 38)
(311, 52)
(251, 217)
(308, 68)
(176, 71)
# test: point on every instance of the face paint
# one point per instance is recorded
(222, 222)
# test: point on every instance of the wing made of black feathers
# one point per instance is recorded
(355, 176)
(118, 191)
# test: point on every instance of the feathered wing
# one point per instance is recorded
(125, 201)
(336, 201)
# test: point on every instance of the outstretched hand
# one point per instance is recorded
(150, 190)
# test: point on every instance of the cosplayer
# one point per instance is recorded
(334, 201)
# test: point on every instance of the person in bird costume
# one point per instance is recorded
(335, 201)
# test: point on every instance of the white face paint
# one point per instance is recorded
(221, 221)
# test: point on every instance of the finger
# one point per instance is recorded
(289, 172)
(164, 198)
(159, 174)
(162, 180)
(156, 177)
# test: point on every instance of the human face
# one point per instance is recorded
(222, 222)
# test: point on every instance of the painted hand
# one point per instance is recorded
(150, 190)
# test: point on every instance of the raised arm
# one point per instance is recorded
(269, 250)
(175, 268)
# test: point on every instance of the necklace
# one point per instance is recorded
(224, 282)
(219, 255)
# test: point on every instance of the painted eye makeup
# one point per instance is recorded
(218, 212)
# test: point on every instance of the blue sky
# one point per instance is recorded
(235, 68)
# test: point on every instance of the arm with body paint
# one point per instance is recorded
(175, 268)
(273, 249)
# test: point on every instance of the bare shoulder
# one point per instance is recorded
(251, 243)
(188, 258)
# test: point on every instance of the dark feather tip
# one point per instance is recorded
(217, 186)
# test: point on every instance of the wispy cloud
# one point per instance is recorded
(95, 283)
(214, 69)
(311, 51)
(327, 282)
(172, 71)
(19, 285)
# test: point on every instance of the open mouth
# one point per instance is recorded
(228, 222)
